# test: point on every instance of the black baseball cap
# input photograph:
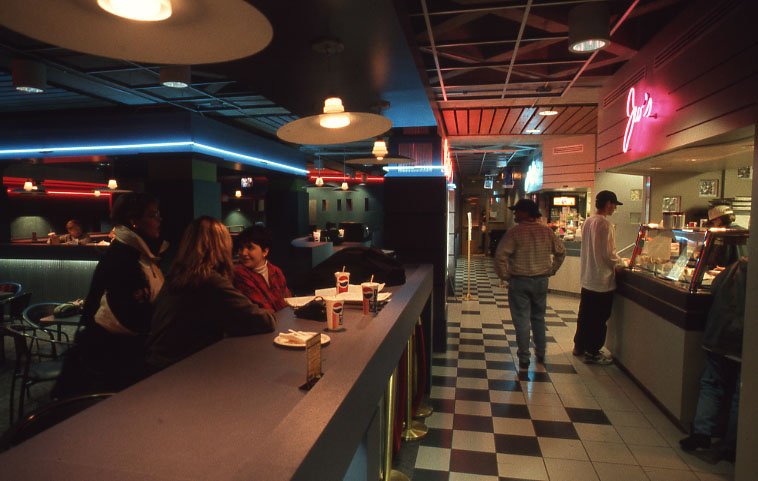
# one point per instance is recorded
(527, 205)
(606, 195)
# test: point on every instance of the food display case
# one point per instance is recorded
(689, 258)
(660, 308)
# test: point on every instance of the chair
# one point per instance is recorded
(32, 316)
(16, 306)
(26, 370)
(11, 287)
(47, 417)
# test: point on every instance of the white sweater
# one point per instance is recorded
(599, 254)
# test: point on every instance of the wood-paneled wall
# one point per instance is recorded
(701, 73)
(568, 162)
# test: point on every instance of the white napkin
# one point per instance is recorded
(298, 337)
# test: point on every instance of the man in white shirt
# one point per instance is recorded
(598, 280)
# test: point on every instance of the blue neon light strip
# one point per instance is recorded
(193, 145)
(251, 159)
(411, 168)
(47, 150)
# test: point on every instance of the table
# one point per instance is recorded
(233, 411)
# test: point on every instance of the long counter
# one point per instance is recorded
(233, 411)
(655, 332)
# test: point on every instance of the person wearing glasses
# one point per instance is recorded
(109, 349)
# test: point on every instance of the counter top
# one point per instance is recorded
(234, 410)
(663, 297)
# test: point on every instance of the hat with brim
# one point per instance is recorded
(719, 210)
(607, 195)
(528, 206)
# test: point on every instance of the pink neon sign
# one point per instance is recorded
(635, 113)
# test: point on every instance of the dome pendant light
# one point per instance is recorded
(589, 27)
(141, 10)
(176, 76)
(28, 186)
(28, 76)
(336, 117)
(112, 184)
(319, 181)
(238, 194)
(380, 149)
(344, 185)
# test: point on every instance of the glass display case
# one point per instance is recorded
(689, 258)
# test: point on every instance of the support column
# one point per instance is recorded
(186, 188)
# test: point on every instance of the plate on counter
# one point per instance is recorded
(300, 345)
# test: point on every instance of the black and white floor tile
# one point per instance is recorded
(563, 420)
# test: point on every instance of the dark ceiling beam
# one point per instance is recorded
(496, 42)
(523, 63)
(535, 21)
(454, 10)
(450, 24)
(515, 47)
(430, 33)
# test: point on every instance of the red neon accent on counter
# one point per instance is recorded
(635, 113)
(347, 179)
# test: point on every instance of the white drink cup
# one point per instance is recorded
(370, 295)
(334, 313)
(316, 236)
(342, 281)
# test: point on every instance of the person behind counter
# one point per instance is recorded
(722, 255)
(75, 236)
(108, 352)
(255, 276)
(199, 305)
(722, 341)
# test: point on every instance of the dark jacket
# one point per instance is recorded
(726, 319)
(186, 321)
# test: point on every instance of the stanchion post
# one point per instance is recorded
(425, 409)
(413, 429)
(389, 474)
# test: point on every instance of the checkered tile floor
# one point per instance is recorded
(563, 420)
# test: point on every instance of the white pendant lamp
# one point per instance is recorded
(28, 186)
(140, 10)
(380, 149)
(181, 32)
(112, 184)
(238, 194)
(334, 125)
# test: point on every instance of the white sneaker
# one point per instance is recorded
(598, 358)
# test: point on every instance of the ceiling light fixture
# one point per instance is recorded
(548, 112)
(334, 114)
(380, 149)
(344, 185)
(319, 181)
(331, 127)
(238, 193)
(28, 76)
(112, 184)
(589, 27)
(176, 76)
(141, 10)
(28, 186)
(96, 193)
(532, 131)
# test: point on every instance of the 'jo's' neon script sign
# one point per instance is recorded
(635, 113)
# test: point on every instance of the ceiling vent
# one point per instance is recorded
(568, 149)
(696, 30)
(622, 90)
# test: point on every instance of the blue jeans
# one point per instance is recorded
(527, 297)
(720, 376)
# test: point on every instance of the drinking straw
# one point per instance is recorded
(343, 268)
(372, 278)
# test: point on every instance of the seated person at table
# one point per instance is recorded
(255, 276)
(198, 304)
(109, 348)
(332, 234)
(75, 236)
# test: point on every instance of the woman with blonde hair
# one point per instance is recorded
(198, 304)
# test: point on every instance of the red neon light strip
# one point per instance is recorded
(55, 183)
(69, 192)
(347, 179)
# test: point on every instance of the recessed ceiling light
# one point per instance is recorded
(532, 131)
(142, 10)
(656, 168)
(548, 112)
